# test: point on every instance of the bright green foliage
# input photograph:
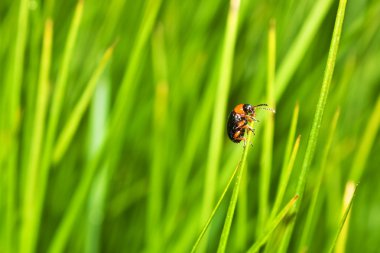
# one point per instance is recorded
(113, 126)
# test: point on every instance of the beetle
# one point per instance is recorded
(238, 120)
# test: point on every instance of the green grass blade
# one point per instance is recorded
(242, 217)
(276, 221)
(187, 158)
(62, 234)
(287, 167)
(159, 143)
(58, 96)
(301, 43)
(266, 159)
(218, 118)
(311, 213)
(119, 115)
(291, 136)
(231, 208)
(29, 226)
(215, 209)
(14, 84)
(285, 179)
(80, 108)
(313, 137)
(340, 242)
(124, 100)
(361, 156)
(55, 111)
(98, 192)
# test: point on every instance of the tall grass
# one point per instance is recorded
(113, 126)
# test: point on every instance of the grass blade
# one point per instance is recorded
(310, 218)
(285, 178)
(114, 129)
(287, 167)
(343, 226)
(300, 45)
(215, 209)
(234, 197)
(276, 221)
(12, 122)
(291, 136)
(98, 193)
(366, 144)
(29, 226)
(72, 124)
(218, 118)
(55, 111)
(159, 139)
(62, 234)
(266, 159)
(313, 137)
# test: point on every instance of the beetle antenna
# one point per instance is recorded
(261, 106)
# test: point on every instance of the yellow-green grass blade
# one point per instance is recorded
(339, 240)
(29, 210)
(12, 122)
(363, 152)
(55, 111)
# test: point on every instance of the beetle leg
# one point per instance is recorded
(240, 124)
(249, 128)
(251, 118)
(236, 135)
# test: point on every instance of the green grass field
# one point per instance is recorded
(113, 126)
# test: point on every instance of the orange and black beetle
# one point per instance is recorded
(238, 121)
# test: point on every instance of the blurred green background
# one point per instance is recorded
(113, 115)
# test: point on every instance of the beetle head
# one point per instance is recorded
(249, 109)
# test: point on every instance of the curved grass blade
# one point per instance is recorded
(215, 209)
(347, 204)
(72, 124)
(276, 221)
